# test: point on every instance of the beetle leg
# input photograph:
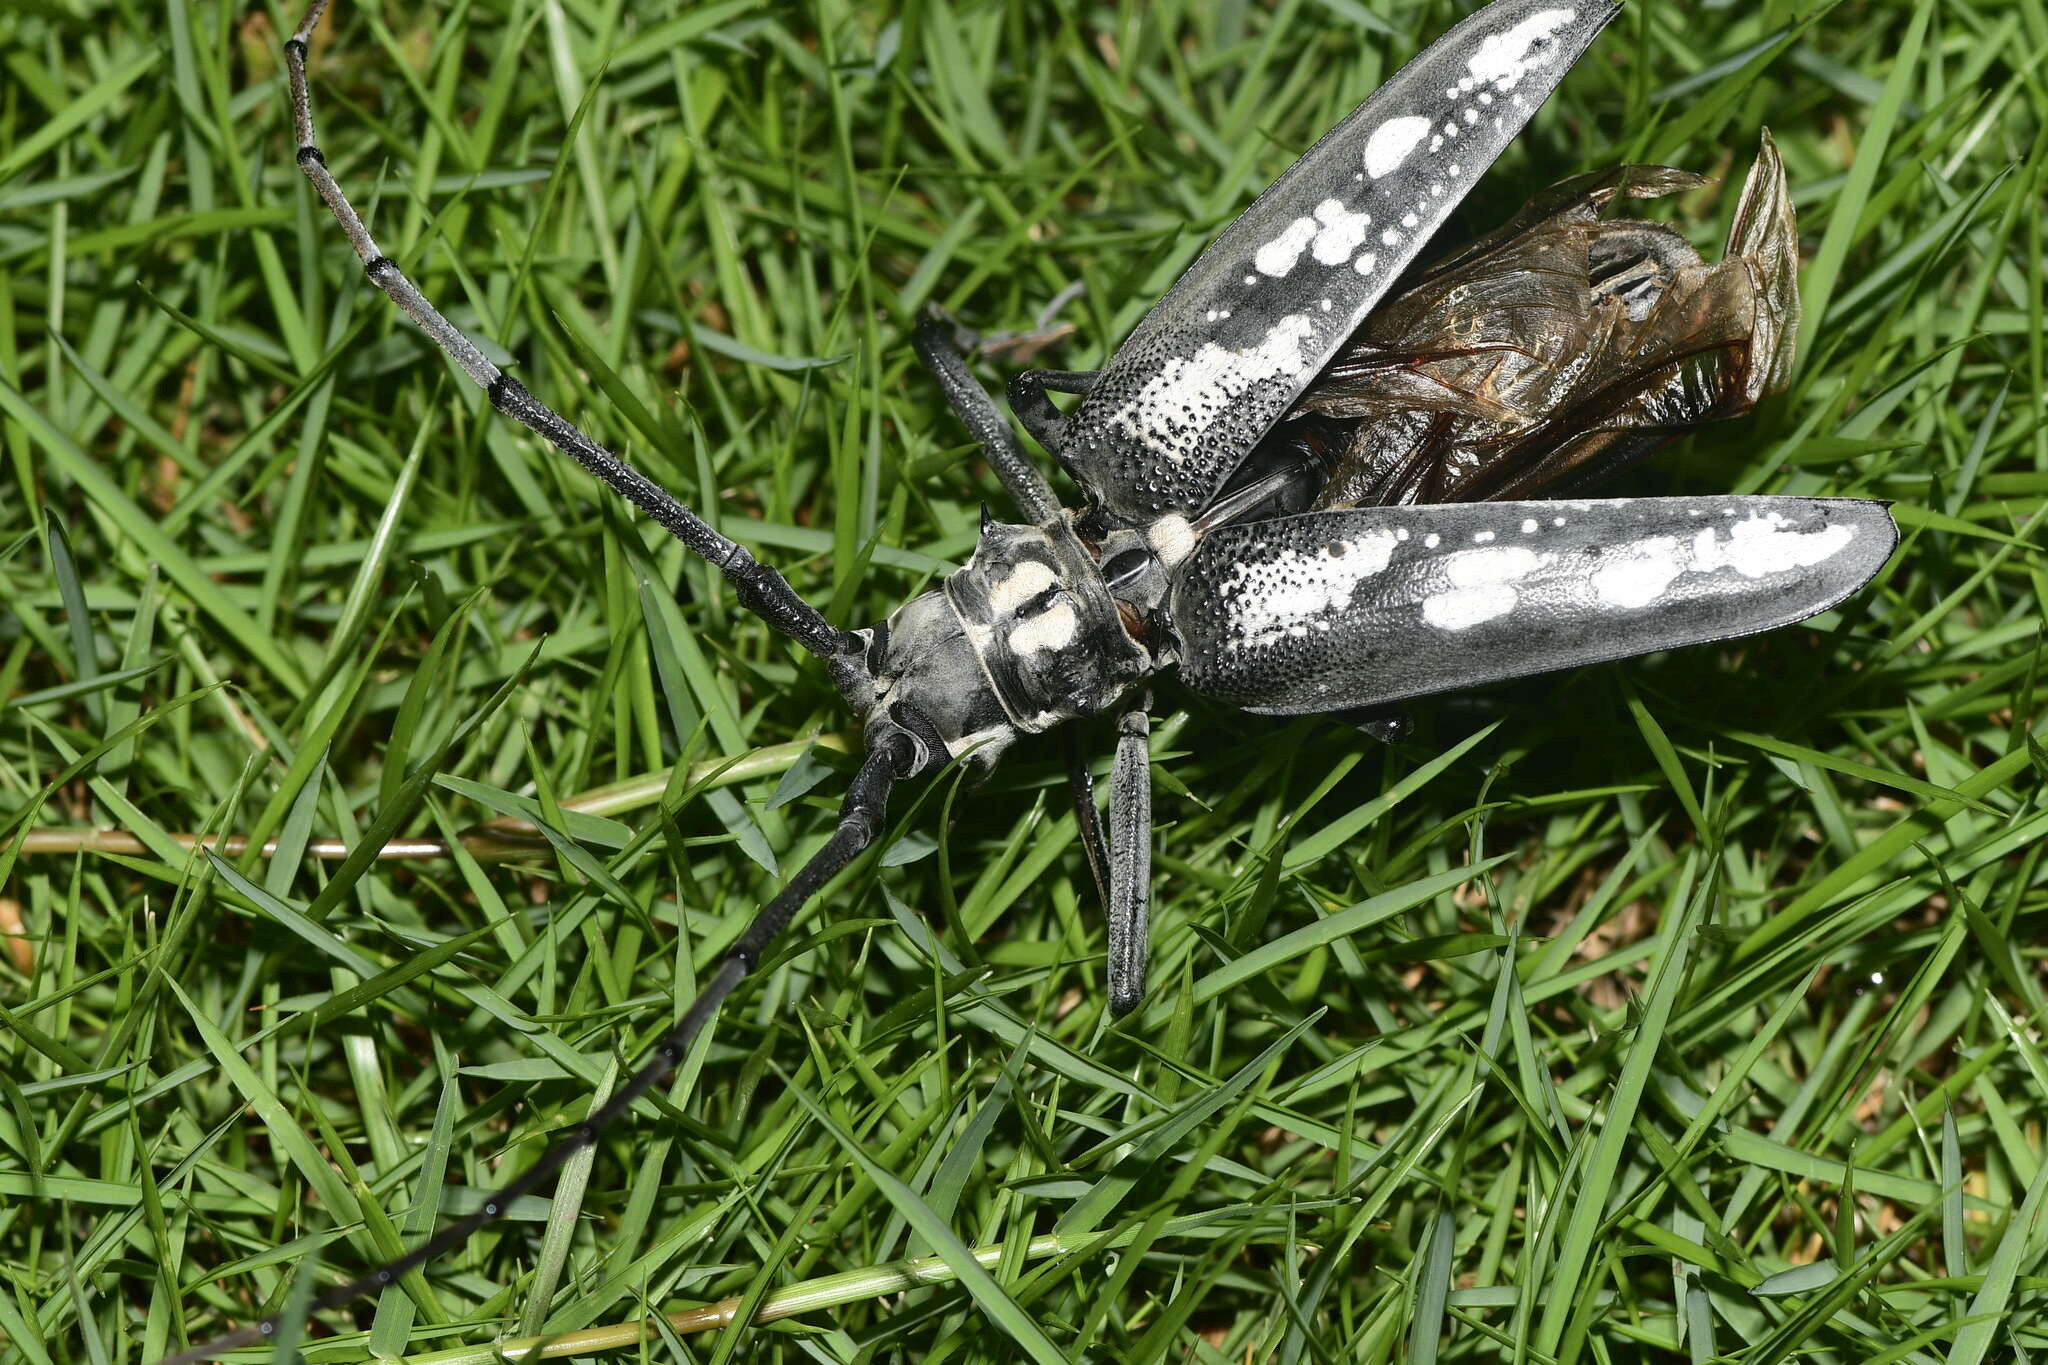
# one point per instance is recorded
(938, 342)
(1081, 786)
(861, 818)
(1130, 856)
(1035, 410)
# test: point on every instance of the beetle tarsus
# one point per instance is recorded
(1046, 423)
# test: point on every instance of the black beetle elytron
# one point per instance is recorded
(1318, 481)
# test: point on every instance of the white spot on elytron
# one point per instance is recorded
(1390, 238)
(1331, 236)
(1251, 279)
(1358, 175)
(1409, 220)
(1212, 315)
(1436, 191)
(1177, 405)
(1432, 540)
(1053, 628)
(1455, 170)
(1450, 130)
(1557, 521)
(1324, 305)
(1503, 58)
(1365, 263)
(1482, 586)
(1758, 546)
(1391, 143)
(1171, 538)
(1481, 537)
(1755, 548)
(1401, 534)
(1639, 576)
(1339, 232)
(1528, 526)
(1025, 582)
(1485, 97)
(1436, 143)
(1277, 257)
(1285, 596)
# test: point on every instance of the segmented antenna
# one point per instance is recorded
(761, 589)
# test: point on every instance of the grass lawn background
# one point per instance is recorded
(1680, 1009)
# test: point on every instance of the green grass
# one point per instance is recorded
(1670, 1011)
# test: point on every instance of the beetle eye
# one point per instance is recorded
(1125, 568)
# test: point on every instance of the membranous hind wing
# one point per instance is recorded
(1218, 360)
(1559, 348)
(1328, 611)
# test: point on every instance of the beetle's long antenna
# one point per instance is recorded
(861, 817)
(761, 590)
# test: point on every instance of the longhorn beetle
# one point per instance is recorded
(1298, 473)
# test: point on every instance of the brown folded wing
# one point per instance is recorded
(1558, 348)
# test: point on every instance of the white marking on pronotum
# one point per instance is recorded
(1759, 546)
(1391, 143)
(1482, 586)
(994, 734)
(1639, 575)
(1024, 582)
(1268, 602)
(1171, 538)
(1503, 58)
(1053, 628)
(1170, 413)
